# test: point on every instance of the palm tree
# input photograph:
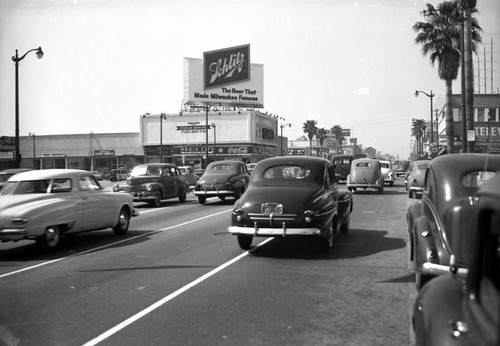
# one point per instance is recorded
(417, 130)
(339, 137)
(321, 136)
(440, 39)
(471, 38)
(309, 128)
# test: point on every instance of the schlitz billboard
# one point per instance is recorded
(226, 66)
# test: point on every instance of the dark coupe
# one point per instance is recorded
(292, 196)
(453, 310)
(222, 179)
(438, 224)
(153, 182)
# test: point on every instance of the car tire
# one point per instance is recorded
(391, 184)
(326, 243)
(156, 202)
(344, 228)
(245, 241)
(51, 239)
(182, 197)
(238, 193)
(380, 190)
(202, 199)
(123, 223)
(222, 198)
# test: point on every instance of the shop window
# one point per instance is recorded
(480, 115)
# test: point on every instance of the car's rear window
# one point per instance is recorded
(423, 166)
(476, 179)
(288, 173)
(364, 164)
(222, 168)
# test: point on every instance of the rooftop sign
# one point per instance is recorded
(226, 66)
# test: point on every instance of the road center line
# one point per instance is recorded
(109, 245)
(166, 299)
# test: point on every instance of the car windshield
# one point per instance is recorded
(384, 165)
(26, 187)
(222, 168)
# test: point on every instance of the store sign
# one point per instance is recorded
(105, 152)
(226, 66)
(201, 149)
(6, 154)
(346, 132)
(297, 151)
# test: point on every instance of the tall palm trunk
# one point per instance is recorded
(469, 75)
(449, 118)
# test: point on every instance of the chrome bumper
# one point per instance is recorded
(271, 232)
(214, 192)
(14, 234)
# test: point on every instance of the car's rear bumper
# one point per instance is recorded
(271, 232)
(214, 193)
(363, 186)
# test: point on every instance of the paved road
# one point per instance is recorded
(178, 279)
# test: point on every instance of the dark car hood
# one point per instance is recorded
(141, 179)
(293, 198)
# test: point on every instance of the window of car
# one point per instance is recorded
(222, 168)
(423, 166)
(61, 185)
(364, 164)
(88, 183)
(477, 178)
(287, 172)
(28, 187)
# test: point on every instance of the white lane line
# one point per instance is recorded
(111, 244)
(166, 299)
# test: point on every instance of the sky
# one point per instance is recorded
(339, 62)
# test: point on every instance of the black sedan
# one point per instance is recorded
(222, 179)
(465, 310)
(437, 223)
(292, 196)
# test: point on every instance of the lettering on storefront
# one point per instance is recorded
(200, 149)
(192, 128)
(483, 133)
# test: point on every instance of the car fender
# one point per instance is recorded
(156, 186)
(433, 316)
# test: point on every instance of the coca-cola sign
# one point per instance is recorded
(226, 66)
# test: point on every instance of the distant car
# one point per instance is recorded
(401, 168)
(6, 174)
(188, 173)
(99, 176)
(438, 223)
(44, 205)
(342, 165)
(458, 309)
(154, 182)
(292, 196)
(251, 167)
(365, 174)
(222, 179)
(118, 174)
(387, 172)
(199, 172)
(415, 177)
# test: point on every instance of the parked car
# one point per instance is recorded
(199, 172)
(387, 172)
(454, 309)
(6, 174)
(118, 174)
(365, 174)
(401, 168)
(188, 173)
(222, 179)
(415, 177)
(46, 204)
(154, 182)
(292, 196)
(438, 225)
(342, 165)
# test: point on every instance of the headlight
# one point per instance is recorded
(116, 188)
(147, 187)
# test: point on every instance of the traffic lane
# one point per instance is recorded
(287, 292)
(25, 254)
(71, 301)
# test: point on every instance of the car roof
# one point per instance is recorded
(291, 160)
(47, 174)
(14, 170)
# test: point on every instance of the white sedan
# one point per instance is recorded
(44, 205)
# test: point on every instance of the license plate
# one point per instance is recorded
(271, 208)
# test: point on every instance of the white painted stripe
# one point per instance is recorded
(111, 244)
(166, 299)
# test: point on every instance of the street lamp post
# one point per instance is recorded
(162, 116)
(281, 140)
(32, 135)
(16, 59)
(431, 95)
(215, 141)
